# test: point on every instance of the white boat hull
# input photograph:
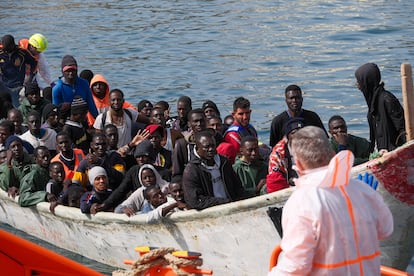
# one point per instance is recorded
(234, 239)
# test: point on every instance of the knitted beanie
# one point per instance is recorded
(78, 105)
(142, 104)
(210, 104)
(49, 110)
(11, 139)
(31, 88)
(145, 148)
(69, 62)
(95, 172)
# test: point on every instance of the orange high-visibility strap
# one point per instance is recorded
(335, 175)
(347, 262)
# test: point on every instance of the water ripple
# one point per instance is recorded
(221, 49)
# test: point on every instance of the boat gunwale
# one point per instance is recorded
(71, 213)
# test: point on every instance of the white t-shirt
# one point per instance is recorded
(216, 179)
(124, 131)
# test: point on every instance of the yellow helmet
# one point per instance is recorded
(38, 41)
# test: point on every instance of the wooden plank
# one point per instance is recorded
(408, 99)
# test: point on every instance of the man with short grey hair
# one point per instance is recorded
(332, 224)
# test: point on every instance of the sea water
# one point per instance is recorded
(222, 49)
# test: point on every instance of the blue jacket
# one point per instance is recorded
(92, 197)
(64, 93)
(13, 67)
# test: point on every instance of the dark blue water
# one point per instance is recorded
(221, 49)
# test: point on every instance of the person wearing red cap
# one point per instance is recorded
(162, 155)
(70, 85)
(170, 136)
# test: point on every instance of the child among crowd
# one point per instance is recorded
(57, 184)
(177, 193)
(158, 205)
(251, 170)
(148, 176)
(77, 127)
(57, 176)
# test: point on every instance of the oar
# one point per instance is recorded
(408, 99)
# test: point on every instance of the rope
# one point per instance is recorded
(162, 257)
(176, 262)
(152, 255)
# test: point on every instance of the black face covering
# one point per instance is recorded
(369, 78)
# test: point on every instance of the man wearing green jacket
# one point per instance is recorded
(251, 170)
(32, 101)
(33, 185)
(16, 166)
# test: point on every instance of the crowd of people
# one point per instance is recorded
(77, 142)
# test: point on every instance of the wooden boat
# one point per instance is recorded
(235, 238)
(395, 173)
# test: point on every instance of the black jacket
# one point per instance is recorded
(385, 113)
(278, 125)
(386, 124)
(198, 189)
(183, 153)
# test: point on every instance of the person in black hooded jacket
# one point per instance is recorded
(209, 178)
(385, 113)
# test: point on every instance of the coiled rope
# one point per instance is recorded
(160, 257)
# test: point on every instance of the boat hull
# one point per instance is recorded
(234, 239)
(395, 173)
